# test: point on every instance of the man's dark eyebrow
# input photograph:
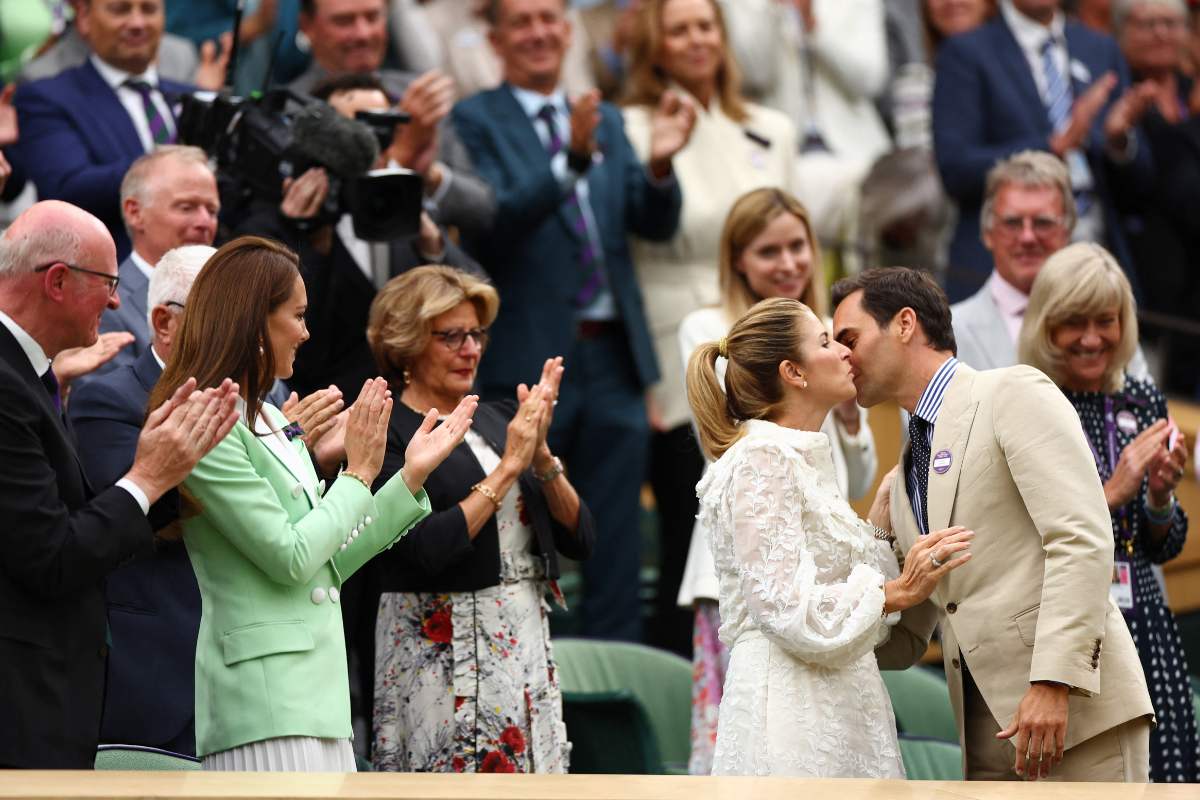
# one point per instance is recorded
(842, 334)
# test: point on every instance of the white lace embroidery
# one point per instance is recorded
(801, 580)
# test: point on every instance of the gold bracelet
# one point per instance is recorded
(360, 477)
(487, 492)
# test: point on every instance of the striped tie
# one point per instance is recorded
(1059, 99)
(158, 124)
(591, 270)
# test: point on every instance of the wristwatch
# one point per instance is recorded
(553, 473)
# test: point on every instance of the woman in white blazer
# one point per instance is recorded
(680, 47)
(768, 249)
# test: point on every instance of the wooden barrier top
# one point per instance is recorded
(72, 785)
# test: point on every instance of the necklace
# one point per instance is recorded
(414, 408)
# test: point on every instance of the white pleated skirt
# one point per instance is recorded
(285, 754)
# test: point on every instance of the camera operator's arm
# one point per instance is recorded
(302, 199)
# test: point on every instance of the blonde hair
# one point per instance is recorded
(1081, 279)
(750, 215)
(767, 335)
(401, 321)
(648, 80)
(1029, 169)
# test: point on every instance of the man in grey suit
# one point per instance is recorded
(168, 199)
(1028, 215)
(351, 36)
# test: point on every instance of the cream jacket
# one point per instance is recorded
(1033, 603)
(719, 164)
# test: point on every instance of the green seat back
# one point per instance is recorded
(133, 757)
(928, 759)
(1196, 694)
(26, 24)
(922, 703)
(660, 681)
(610, 734)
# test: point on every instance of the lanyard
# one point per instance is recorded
(1108, 467)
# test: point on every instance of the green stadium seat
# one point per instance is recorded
(136, 757)
(929, 759)
(922, 703)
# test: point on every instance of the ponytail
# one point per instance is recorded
(771, 332)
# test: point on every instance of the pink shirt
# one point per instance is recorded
(1011, 301)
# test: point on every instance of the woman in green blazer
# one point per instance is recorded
(270, 546)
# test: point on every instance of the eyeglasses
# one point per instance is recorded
(1168, 24)
(455, 338)
(113, 280)
(1042, 224)
(173, 303)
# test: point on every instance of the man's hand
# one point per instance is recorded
(669, 131)
(214, 61)
(9, 133)
(430, 243)
(303, 198)
(1083, 114)
(75, 361)
(179, 433)
(585, 116)
(1040, 726)
(428, 99)
(1126, 113)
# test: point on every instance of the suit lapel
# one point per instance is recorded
(950, 434)
(109, 117)
(291, 461)
(1013, 59)
(147, 370)
(1078, 87)
(134, 287)
(997, 343)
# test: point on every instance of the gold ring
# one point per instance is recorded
(528, 417)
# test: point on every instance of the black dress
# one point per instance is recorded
(1174, 746)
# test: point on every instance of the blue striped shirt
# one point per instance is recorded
(927, 409)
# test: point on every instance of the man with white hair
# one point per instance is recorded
(169, 199)
(61, 537)
(154, 603)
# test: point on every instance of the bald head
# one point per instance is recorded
(54, 263)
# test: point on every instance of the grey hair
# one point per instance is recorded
(38, 248)
(1029, 169)
(1122, 8)
(137, 178)
(174, 275)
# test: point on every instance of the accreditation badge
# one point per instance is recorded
(1122, 586)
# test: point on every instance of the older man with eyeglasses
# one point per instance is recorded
(1028, 215)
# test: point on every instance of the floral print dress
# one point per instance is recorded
(466, 681)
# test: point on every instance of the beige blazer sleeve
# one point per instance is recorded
(1054, 471)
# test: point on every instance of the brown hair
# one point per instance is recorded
(649, 81)
(767, 335)
(223, 330)
(401, 320)
(933, 37)
(750, 215)
(889, 290)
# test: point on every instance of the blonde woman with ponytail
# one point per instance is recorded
(807, 589)
(767, 250)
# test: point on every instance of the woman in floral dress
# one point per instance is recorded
(465, 679)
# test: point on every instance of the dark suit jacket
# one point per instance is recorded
(58, 541)
(532, 251)
(986, 107)
(77, 142)
(154, 603)
(339, 302)
(438, 555)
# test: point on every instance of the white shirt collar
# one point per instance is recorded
(33, 350)
(163, 365)
(114, 77)
(1030, 34)
(532, 102)
(142, 264)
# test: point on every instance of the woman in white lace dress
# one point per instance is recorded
(808, 590)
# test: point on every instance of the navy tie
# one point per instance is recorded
(50, 381)
(919, 453)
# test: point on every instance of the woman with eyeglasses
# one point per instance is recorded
(465, 679)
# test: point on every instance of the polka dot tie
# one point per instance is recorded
(919, 453)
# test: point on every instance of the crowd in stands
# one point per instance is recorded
(606, 185)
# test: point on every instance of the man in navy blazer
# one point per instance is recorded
(568, 191)
(82, 129)
(996, 95)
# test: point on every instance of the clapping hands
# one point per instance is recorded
(430, 445)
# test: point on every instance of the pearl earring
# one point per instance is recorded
(805, 384)
(407, 377)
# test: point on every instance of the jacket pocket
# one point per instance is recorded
(265, 639)
(1027, 625)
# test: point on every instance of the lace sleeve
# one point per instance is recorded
(786, 565)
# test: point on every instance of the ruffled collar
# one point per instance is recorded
(804, 441)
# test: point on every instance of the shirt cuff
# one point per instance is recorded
(1127, 155)
(136, 491)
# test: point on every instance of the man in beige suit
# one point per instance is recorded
(1040, 665)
